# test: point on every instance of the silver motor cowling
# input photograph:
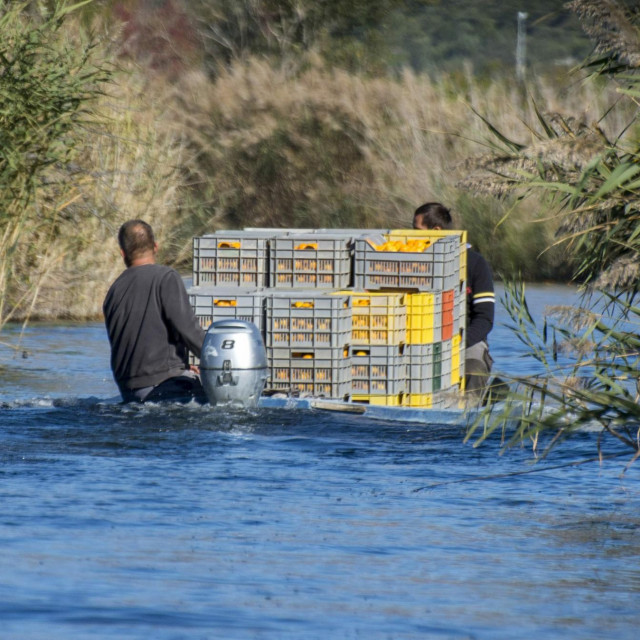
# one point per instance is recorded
(233, 363)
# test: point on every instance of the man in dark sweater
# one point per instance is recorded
(480, 299)
(151, 325)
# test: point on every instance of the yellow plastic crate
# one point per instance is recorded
(450, 400)
(457, 362)
(420, 400)
(463, 263)
(424, 318)
(398, 400)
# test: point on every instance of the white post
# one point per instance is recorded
(521, 46)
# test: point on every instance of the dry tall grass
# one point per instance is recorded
(411, 131)
(262, 146)
(128, 166)
(329, 148)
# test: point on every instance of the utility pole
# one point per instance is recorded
(521, 46)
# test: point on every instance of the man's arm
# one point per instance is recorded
(179, 314)
(482, 298)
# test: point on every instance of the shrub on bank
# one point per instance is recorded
(79, 155)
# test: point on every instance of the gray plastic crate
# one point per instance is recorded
(217, 303)
(275, 232)
(461, 301)
(229, 258)
(437, 268)
(309, 372)
(445, 367)
(378, 318)
(378, 370)
(429, 367)
(420, 368)
(320, 261)
(352, 232)
(300, 319)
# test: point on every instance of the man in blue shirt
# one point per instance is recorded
(480, 299)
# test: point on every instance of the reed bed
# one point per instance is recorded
(263, 145)
(329, 148)
(127, 165)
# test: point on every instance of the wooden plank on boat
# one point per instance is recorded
(329, 405)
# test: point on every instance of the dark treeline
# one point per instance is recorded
(360, 35)
(444, 34)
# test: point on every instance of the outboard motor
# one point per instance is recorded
(233, 363)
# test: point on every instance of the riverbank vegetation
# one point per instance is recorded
(590, 354)
(273, 134)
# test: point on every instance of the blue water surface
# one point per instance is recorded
(175, 522)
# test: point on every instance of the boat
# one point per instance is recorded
(368, 322)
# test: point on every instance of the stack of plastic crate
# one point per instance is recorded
(307, 336)
(430, 269)
(378, 337)
(375, 316)
(283, 279)
(307, 330)
(229, 277)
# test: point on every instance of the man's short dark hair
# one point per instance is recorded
(431, 215)
(135, 239)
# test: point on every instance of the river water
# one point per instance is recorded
(191, 522)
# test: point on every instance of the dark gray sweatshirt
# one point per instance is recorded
(151, 325)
